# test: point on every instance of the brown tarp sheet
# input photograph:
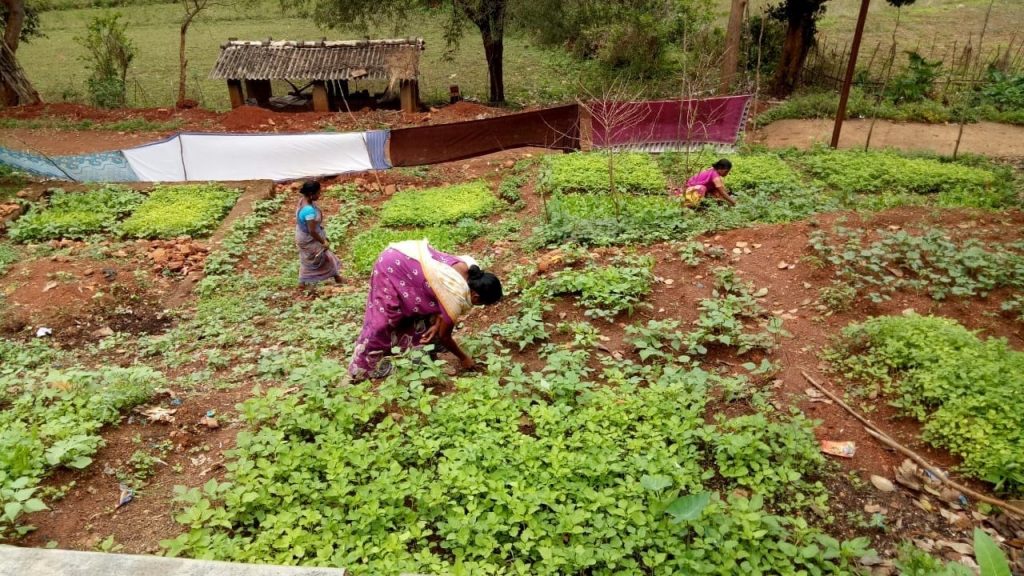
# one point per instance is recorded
(549, 128)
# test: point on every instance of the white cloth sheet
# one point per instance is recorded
(202, 157)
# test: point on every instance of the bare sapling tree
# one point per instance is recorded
(618, 111)
(696, 81)
(890, 62)
(192, 10)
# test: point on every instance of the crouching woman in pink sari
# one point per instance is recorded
(417, 295)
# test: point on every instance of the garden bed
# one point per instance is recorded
(539, 462)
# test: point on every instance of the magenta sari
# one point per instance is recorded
(399, 309)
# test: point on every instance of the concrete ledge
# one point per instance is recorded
(39, 562)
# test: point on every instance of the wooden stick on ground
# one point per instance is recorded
(887, 440)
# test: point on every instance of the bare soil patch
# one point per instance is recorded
(986, 138)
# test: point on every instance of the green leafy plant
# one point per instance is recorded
(367, 246)
(930, 262)
(508, 190)
(859, 172)
(185, 209)
(838, 297)
(966, 391)
(723, 317)
(605, 291)
(916, 82)
(52, 418)
(991, 559)
(438, 205)
(76, 215)
(566, 490)
(635, 173)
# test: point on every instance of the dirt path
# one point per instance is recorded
(987, 138)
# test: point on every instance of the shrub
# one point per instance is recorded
(110, 53)
(369, 244)
(76, 215)
(438, 205)
(635, 173)
(192, 209)
(966, 392)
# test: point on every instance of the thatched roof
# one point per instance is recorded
(320, 60)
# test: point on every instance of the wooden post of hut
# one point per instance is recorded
(321, 103)
(409, 95)
(235, 93)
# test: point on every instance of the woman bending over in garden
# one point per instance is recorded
(417, 295)
(708, 183)
(316, 261)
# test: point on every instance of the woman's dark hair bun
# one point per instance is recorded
(309, 188)
(722, 164)
(486, 285)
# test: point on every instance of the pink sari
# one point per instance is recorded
(399, 308)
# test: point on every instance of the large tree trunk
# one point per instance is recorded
(493, 50)
(732, 45)
(16, 88)
(799, 38)
(15, 21)
(490, 19)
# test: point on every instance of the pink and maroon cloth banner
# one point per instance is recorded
(669, 124)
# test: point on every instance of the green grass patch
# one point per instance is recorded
(825, 104)
(439, 205)
(966, 392)
(76, 214)
(367, 246)
(185, 209)
(635, 173)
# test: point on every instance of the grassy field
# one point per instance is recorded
(532, 74)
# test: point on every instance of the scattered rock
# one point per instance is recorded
(508, 164)
(158, 256)
(870, 560)
(209, 422)
(761, 293)
(873, 509)
(741, 244)
(882, 483)
(102, 333)
(390, 190)
(737, 251)
(782, 265)
(50, 286)
(669, 281)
